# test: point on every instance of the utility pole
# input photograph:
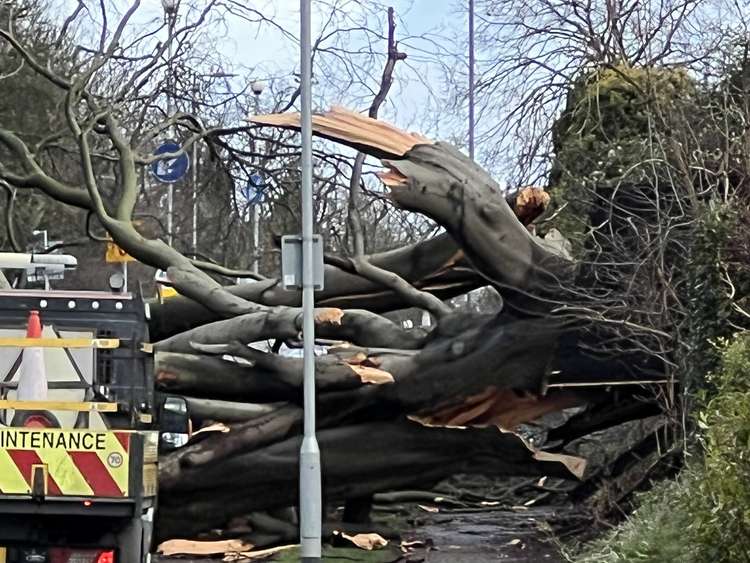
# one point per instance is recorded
(311, 507)
(170, 12)
(471, 79)
(195, 174)
(257, 87)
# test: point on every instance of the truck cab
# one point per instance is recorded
(79, 462)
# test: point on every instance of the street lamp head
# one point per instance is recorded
(170, 6)
(257, 86)
(37, 232)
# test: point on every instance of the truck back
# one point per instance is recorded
(78, 428)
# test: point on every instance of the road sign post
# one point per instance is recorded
(169, 170)
(253, 194)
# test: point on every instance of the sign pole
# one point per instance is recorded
(256, 237)
(311, 508)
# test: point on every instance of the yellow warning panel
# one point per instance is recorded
(77, 462)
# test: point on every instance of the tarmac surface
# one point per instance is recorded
(487, 536)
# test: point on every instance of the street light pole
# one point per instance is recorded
(471, 79)
(311, 507)
(257, 88)
(195, 175)
(170, 12)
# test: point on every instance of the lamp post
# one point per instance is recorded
(309, 463)
(471, 79)
(257, 87)
(170, 14)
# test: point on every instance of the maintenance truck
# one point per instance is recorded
(80, 422)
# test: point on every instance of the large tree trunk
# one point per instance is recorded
(398, 408)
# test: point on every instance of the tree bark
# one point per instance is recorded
(356, 461)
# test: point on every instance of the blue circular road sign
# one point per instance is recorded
(253, 191)
(170, 170)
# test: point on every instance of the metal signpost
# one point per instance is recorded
(169, 171)
(253, 194)
(310, 490)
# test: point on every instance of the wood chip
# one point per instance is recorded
(368, 542)
(329, 315)
(428, 508)
(576, 465)
(260, 554)
(190, 547)
(372, 375)
(216, 427)
(407, 545)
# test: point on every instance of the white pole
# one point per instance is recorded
(45, 242)
(195, 197)
(124, 277)
(256, 210)
(256, 236)
(311, 507)
(170, 193)
(471, 79)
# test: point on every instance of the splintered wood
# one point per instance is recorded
(189, 547)
(374, 137)
(371, 375)
(504, 408)
(530, 202)
(329, 315)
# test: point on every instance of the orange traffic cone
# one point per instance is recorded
(34, 325)
(32, 380)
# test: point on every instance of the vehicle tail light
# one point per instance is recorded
(68, 555)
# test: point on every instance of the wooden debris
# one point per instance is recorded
(368, 542)
(329, 315)
(260, 554)
(529, 203)
(499, 407)
(190, 547)
(372, 375)
(216, 427)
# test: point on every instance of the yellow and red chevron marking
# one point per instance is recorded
(78, 462)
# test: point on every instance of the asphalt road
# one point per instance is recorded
(487, 536)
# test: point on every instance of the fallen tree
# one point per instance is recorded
(398, 409)
(528, 388)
